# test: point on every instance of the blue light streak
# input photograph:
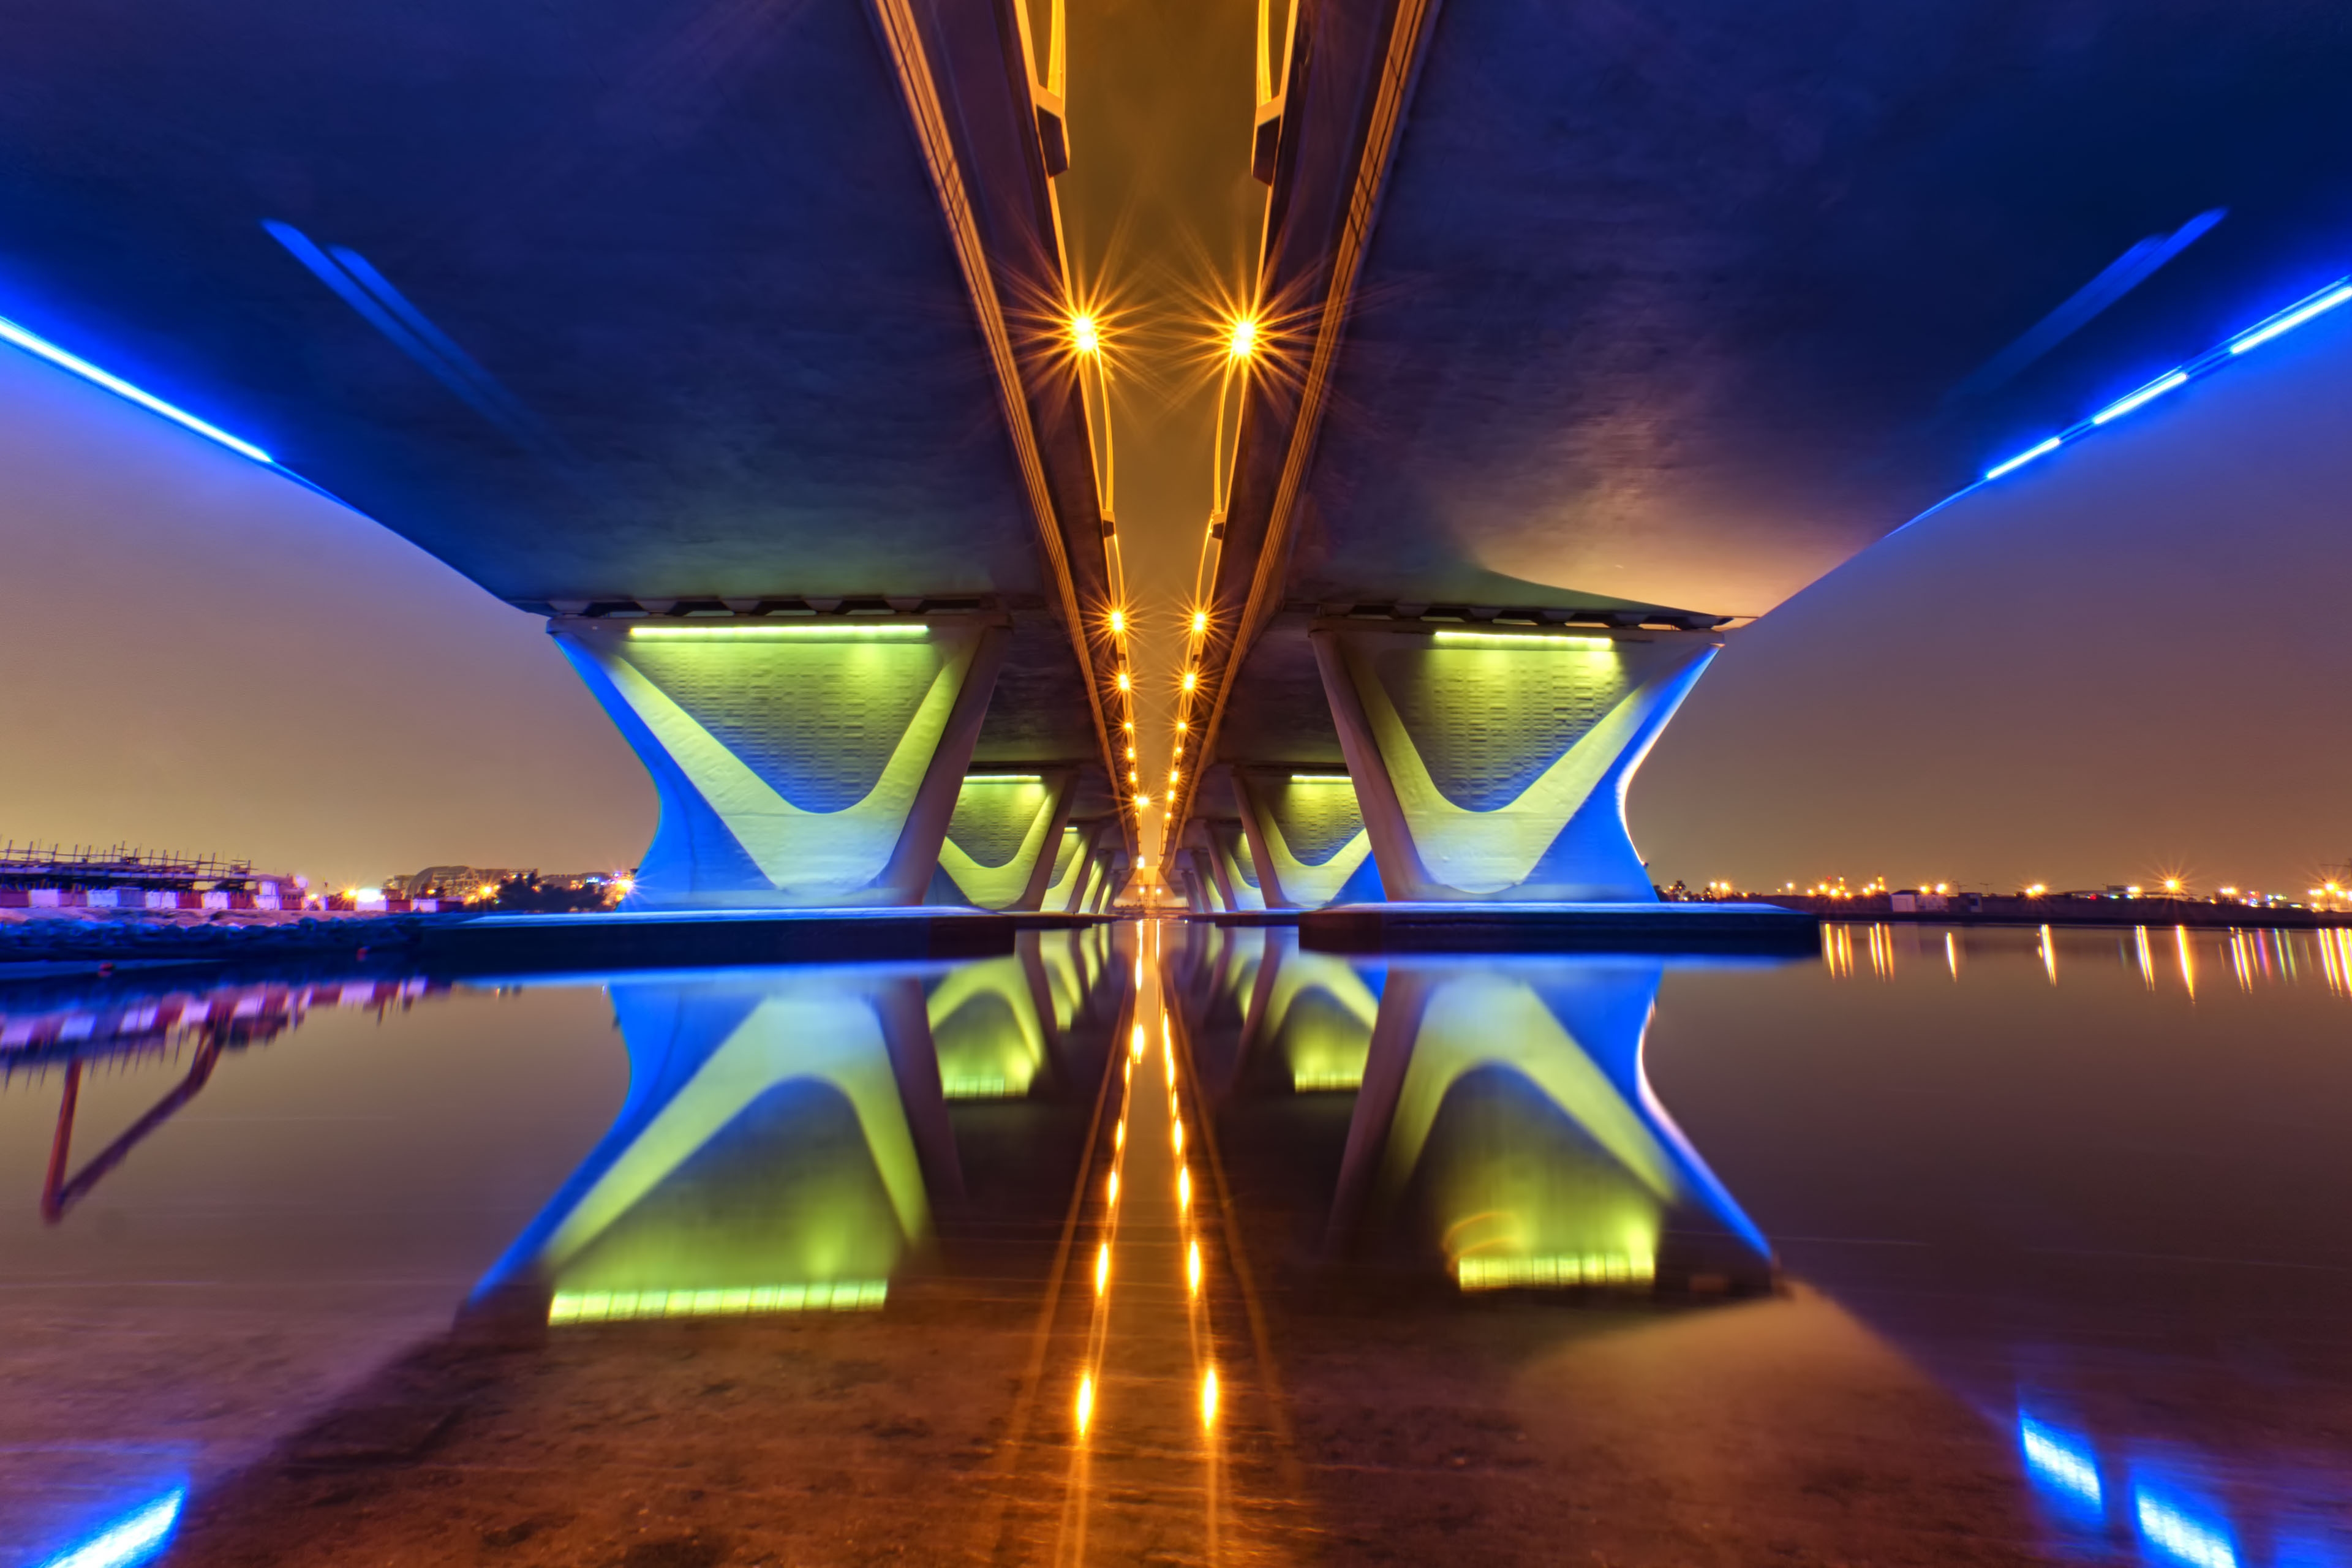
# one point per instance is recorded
(2025, 457)
(2293, 316)
(33, 344)
(2071, 1466)
(2304, 309)
(134, 1539)
(2149, 394)
(2180, 1538)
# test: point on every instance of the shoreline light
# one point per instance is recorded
(705, 633)
(2149, 394)
(1521, 639)
(33, 344)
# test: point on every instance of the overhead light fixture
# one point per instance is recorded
(1521, 639)
(33, 344)
(851, 632)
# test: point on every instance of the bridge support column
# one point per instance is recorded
(1492, 765)
(1229, 853)
(996, 854)
(806, 764)
(1307, 838)
(1072, 854)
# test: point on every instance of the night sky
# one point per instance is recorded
(2123, 663)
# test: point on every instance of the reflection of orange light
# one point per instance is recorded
(1192, 1268)
(1114, 1189)
(1102, 1269)
(1209, 1397)
(1184, 1190)
(1086, 1403)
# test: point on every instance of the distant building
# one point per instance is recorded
(462, 883)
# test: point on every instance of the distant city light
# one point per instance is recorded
(33, 344)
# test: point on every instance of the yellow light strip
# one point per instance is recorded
(1591, 1269)
(722, 634)
(1321, 779)
(979, 1089)
(1308, 1082)
(616, 1306)
(1522, 640)
(1004, 778)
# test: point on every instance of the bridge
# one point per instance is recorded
(743, 344)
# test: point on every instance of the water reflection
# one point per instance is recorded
(2164, 958)
(2103, 1215)
(1502, 1127)
(786, 1136)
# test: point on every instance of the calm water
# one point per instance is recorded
(1975, 1246)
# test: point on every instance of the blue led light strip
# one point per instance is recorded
(2262, 331)
(34, 344)
(134, 1539)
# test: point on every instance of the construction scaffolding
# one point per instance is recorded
(28, 865)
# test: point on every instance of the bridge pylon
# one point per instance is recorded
(802, 763)
(1492, 764)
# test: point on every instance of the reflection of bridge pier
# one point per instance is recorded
(777, 1136)
(1505, 1120)
(790, 1136)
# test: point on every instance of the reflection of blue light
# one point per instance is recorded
(134, 1539)
(2025, 457)
(2293, 316)
(2175, 1536)
(2129, 401)
(2068, 1465)
(34, 344)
